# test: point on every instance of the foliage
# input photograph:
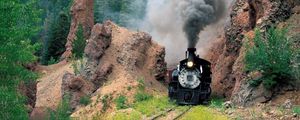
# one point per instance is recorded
(58, 37)
(203, 113)
(217, 103)
(126, 13)
(270, 55)
(18, 23)
(121, 102)
(63, 111)
(85, 100)
(105, 101)
(141, 85)
(77, 66)
(56, 23)
(296, 110)
(153, 106)
(79, 43)
(52, 61)
(142, 96)
(133, 115)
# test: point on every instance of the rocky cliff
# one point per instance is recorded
(115, 59)
(229, 78)
(82, 14)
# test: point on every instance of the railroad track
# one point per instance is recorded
(169, 111)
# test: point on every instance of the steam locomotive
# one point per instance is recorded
(190, 81)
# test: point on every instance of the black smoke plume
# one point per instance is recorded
(197, 14)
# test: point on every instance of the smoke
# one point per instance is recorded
(197, 14)
(167, 21)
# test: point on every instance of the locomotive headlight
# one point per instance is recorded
(190, 64)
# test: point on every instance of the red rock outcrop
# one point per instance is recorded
(115, 59)
(229, 76)
(82, 14)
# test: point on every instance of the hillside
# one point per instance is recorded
(113, 60)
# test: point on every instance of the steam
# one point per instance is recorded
(197, 14)
(165, 21)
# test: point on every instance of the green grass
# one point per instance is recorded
(153, 106)
(296, 110)
(203, 113)
(133, 115)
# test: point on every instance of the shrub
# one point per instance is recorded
(142, 96)
(105, 101)
(52, 61)
(85, 100)
(270, 55)
(141, 85)
(217, 103)
(63, 111)
(77, 66)
(121, 102)
(296, 110)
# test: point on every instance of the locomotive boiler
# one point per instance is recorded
(190, 81)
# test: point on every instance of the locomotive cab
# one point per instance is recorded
(190, 82)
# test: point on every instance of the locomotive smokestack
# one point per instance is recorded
(191, 54)
(197, 14)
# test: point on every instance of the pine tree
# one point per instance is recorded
(52, 18)
(79, 43)
(19, 20)
(58, 39)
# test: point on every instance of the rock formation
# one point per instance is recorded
(229, 78)
(82, 14)
(115, 59)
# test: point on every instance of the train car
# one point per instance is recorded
(190, 81)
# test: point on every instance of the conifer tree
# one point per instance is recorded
(19, 20)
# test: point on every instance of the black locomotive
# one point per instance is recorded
(190, 82)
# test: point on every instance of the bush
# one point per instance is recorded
(296, 110)
(52, 61)
(105, 101)
(217, 103)
(85, 100)
(142, 96)
(63, 111)
(121, 102)
(78, 66)
(141, 85)
(270, 55)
